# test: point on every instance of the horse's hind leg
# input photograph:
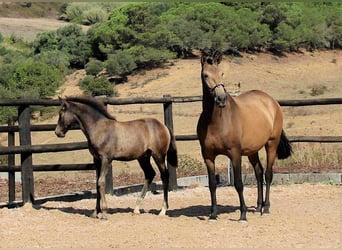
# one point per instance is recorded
(149, 173)
(258, 170)
(271, 152)
(164, 175)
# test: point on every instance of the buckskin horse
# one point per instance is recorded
(110, 139)
(238, 126)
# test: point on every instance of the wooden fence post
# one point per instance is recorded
(27, 180)
(11, 164)
(168, 120)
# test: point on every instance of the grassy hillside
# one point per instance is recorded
(29, 10)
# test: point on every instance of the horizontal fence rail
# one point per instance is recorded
(26, 149)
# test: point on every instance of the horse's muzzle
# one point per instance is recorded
(221, 101)
(220, 95)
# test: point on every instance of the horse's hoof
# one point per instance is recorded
(266, 211)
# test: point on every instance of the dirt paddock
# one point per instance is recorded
(304, 215)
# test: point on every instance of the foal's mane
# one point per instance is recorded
(92, 102)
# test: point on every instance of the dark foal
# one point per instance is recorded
(110, 140)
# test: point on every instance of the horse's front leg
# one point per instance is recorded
(101, 203)
(210, 163)
(236, 160)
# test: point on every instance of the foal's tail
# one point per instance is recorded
(172, 156)
(284, 149)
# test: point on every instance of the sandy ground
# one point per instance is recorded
(301, 216)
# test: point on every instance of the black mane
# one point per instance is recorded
(94, 103)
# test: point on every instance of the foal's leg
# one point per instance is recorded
(149, 172)
(258, 170)
(97, 163)
(164, 175)
(236, 160)
(210, 163)
(101, 189)
(271, 151)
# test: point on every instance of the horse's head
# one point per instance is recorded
(212, 76)
(66, 119)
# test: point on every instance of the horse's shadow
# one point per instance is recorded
(200, 212)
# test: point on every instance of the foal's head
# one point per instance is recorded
(212, 76)
(66, 119)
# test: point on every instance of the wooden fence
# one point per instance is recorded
(26, 149)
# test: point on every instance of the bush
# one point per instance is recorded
(35, 79)
(93, 67)
(97, 86)
(94, 15)
(55, 58)
(120, 63)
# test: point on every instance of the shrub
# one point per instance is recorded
(120, 63)
(55, 58)
(97, 86)
(94, 15)
(93, 67)
(35, 79)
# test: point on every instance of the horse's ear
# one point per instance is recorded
(217, 57)
(203, 59)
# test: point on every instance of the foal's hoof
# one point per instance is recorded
(162, 212)
(100, 216)
(213, 217)
(136, 211)
(94, 215)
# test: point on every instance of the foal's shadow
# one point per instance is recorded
(86, 212)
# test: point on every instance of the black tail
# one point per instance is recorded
(284, 149)
(172, 156)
